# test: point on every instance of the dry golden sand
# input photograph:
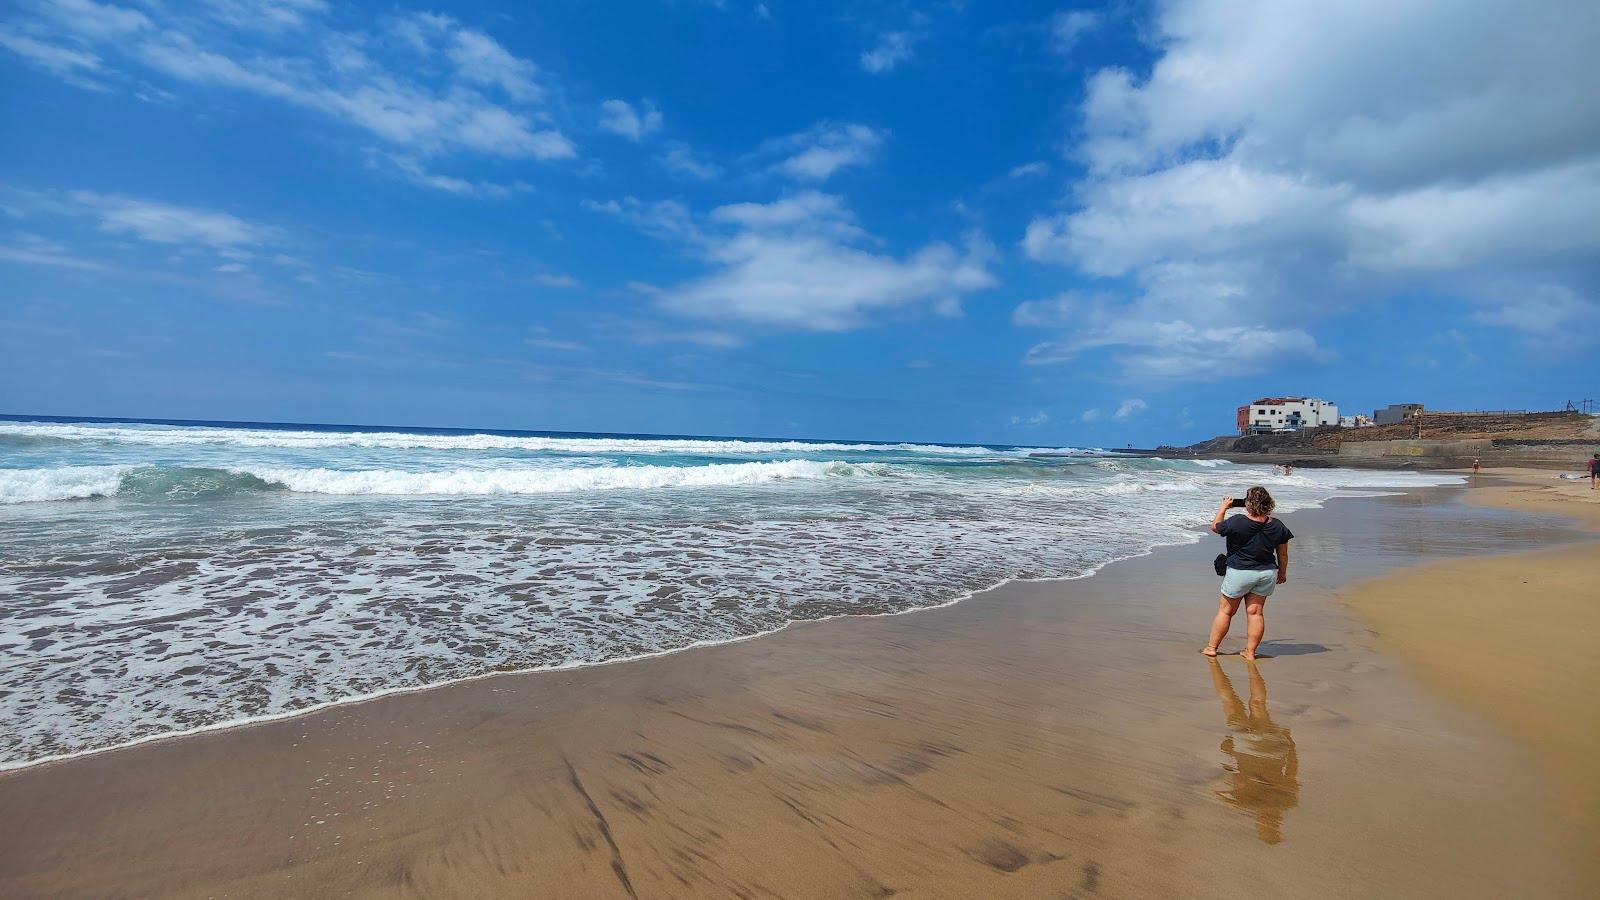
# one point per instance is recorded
(1056, 739)
(1517, 637)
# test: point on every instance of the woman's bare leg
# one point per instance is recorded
(1219, 625)
(1255, 623)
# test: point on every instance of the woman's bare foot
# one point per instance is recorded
(1247, 656)
(1210, 651)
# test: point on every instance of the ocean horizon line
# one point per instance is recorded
(508, 432)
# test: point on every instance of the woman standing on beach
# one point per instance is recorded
(1258, 561)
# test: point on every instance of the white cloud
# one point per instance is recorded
(54, 58)
(1029, 170)
(892, 49)
(456, 89)
(92, 19)
(265, 15)
(1033, 421)
(1130, 408)
(415, 172)
(801, 263)
(681, 159)
(667, 220)
(545, 339)
(1067, 28)
(823, 149)
(481, 60)
(31, 249)
(809, 209)
(557, 280)
(1090, 415)
(1271, 170)
(649, 334)
(621, 118)
(164, 223)
(1157, 350)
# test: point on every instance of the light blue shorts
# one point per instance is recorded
(1239, 582)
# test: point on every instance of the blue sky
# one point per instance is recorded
(1018, 223)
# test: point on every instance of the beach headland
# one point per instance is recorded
(1051, 737)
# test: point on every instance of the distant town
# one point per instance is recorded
(1309, 431)
(1271, 415)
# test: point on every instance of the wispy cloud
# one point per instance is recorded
(556, 280)
(414, 171)
(543, 338)
(625, 120)
(30, 249)
(1033, 421)
(164, 223)
(54, 58)
(681, 159)
(424, 85)
(1068, 27)
(820, 151)
(889, 52)
(1160, 351)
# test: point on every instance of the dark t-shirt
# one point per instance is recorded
(1253, 545)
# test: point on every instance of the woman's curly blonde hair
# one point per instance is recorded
(1257, 502)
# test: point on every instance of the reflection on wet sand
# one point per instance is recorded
(1261, 762)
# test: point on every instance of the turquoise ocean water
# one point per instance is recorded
(157, 578)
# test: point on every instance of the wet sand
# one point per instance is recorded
(1044, 739)
(1511, 637)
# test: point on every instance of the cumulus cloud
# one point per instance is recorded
(1280, 164)
(1130, 408)
(623, 119)
(423, 84)
(821, 150)
(890, 50)
(802, 263)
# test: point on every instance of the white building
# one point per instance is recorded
(1356, 421)
(1286, 414)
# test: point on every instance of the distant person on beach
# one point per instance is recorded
(1287, 470)
(1257, 562)
(1474, 465)
(1594, 472)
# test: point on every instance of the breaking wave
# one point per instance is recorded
(182, 483)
